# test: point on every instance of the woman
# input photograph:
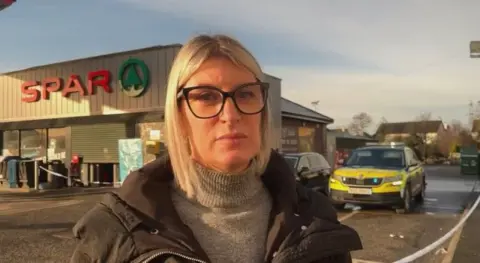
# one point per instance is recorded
(222, 194)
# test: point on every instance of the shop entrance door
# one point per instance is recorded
(103, 174)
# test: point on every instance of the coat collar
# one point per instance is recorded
(148, 192)
(148, 189)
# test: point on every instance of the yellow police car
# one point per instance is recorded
(380, 174)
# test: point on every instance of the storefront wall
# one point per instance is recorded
(15, 104)
(275, 97)
(145, 131)
(301, 136)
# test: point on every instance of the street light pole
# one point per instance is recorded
(475, 53)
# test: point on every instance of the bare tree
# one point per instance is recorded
(461, 133)
(379, 135)
(473, 112)
(360, 122)
(445, 142)
(457, 134)
(448, 140)
(455, 127)
(465, 138)
(424, 116)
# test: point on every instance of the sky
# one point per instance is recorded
(391, 59)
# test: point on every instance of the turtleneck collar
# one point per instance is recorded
(225, 190)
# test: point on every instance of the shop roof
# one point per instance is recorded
(98, 56)
(294, 110)
(132, 51)
(409, 127)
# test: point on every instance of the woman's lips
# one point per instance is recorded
(232, 139)
(232, 136)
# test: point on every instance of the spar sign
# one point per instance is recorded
(6, 3)
(133, 80)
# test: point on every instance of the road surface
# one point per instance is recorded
(388, 236)
(38, 229)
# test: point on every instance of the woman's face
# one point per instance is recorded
(228, 141)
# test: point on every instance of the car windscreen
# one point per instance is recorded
(292, 162)
(323, 162)
(379, 158)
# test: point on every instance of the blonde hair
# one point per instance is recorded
(190, 57)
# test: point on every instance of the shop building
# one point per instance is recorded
(303, 129)
(340, 142)
(85, 106)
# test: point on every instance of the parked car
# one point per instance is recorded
(390, 175)
(310, 169)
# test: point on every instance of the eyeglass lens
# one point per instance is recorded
(207, 102)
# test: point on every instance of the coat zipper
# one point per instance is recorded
(158, 254)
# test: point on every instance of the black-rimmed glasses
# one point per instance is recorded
(208, 101)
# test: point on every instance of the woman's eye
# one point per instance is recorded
(246, 94)
(204, 96)
(207, 96)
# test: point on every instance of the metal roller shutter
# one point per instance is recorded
(98, 143)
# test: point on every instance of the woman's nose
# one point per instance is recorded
(230, 112)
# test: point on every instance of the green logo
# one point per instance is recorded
(132, 83)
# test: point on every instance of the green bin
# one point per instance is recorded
(469, 161)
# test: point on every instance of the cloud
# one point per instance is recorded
(398, 98)
(417, 51)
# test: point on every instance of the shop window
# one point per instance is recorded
(150, 131)
(57, 148)
(306, 138)
(33, 144)
(289, 139)
(11, 143)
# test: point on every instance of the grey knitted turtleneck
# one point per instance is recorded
(228, 215)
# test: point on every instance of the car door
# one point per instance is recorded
(419, 171)
(414, 170)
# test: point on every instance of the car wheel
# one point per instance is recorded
(406, 207)
(420, 197)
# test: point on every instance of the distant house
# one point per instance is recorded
(429, 130)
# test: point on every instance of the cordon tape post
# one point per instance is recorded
(37, 174)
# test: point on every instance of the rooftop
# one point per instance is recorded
(344, 134)
(296, 111)
(409, 127)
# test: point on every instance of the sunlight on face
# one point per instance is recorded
(228, 141)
